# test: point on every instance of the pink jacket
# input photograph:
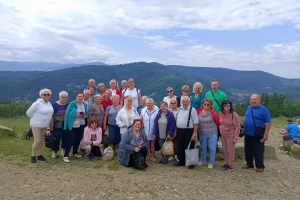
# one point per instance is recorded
(229, 124)
(92, 135)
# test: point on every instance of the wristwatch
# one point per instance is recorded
(194, 135)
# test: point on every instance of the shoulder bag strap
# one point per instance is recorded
(188, 123)
(253, 117)
(215, 99)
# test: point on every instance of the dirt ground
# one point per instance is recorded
(99, 179)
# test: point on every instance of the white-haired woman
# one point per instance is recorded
(101, 89)
(113, 88)
(148, 116)
(57, 123)
(40, 114)
(126, 115)
(133, 92)
(170, 96)
(197, 96)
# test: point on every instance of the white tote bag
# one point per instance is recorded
(191, 156)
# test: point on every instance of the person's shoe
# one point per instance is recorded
(210, 166)
(224, 166)
(153, 159)
(66, 160)
(228, 169)
(171, 158)
(191, 166)
(176, 158)
(54, 155)
(77, 155)
(33, 159)
(87, 158)
(246, 167)
(200, 163)
(41, 158)
(259, 169)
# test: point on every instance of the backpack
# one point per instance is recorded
(49, 140)
(139, 161)
(108, 153)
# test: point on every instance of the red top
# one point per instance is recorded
(106, 103)
(213, 113)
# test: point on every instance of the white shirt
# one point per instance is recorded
(148, 119)
(134, 94)
(167, 99)
(122, 119)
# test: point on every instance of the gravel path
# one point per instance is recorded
(108, 180)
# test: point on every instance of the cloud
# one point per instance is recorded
(159, 42)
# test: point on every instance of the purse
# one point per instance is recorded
(108, 153)
(58, 124)
(49, 141)
(76, 124)
(139, 161)
(258, 131)
(168, 148)
(191, 156)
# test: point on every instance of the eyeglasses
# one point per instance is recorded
(173, 103)
(169, 91)
(226, 105)
(206, 104)
(46, 95)
(185, 91)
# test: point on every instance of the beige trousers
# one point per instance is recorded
(38, 137)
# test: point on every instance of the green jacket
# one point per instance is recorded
(71, 113)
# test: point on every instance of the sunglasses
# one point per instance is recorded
(206, 104)
(185, 91)
(169, 91)
(46, 95)
(226, 105)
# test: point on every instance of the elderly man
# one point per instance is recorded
(92, 83)
(140, 108)
(216, 95)
(291, 132)
(258, 123)
(106, 101)
(86, 97)
(187, 126)
(124, 84)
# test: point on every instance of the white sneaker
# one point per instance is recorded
(176, 158)
(200, 163)
(170, 159)
(62, 152)
(210, 166)
(66, 160)
(77, 156)
(54, 155)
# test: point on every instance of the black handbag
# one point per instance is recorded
(49, 140)
(29, 134)
(139, 161)
(258, 131)
(242, 131)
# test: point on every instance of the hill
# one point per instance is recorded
(151, 78)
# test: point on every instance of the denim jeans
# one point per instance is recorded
(209, 141)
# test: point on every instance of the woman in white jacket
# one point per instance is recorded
(40, 114)
(126, 115)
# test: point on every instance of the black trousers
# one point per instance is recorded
(254, 148)
(183, 139)
(96, 151)
(144, 151)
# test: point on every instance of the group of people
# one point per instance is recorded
(134, 124)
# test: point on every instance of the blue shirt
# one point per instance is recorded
(261, 116)
(197, 102)
(293, 130)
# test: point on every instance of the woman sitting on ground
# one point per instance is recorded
(133, 141)
(92, 139)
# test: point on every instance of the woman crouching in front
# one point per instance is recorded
(133, 141)
(92, 139)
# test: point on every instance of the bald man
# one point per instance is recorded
(92, 83)
(258, 123)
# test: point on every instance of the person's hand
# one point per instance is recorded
(153, 136)
(265, 137)
(87, 142)
(235, 140)
(193, 138)
(168, 137)
(100, 145)
(140, 147)
(137, 149)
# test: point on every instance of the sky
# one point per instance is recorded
(243, 35)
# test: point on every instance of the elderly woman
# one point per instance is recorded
(57, 123)
(101, 89)
(92, 139)
(133, 92)
(230, 130)
(170, 96)
(208, 131)
(74, 123)
(133, 141)
(97, 110)
(126, 115)
(40, 114)
(106, 100)
(185, 92)
(110, 122)
(113, 88)
(174, 109)
(164, 127)
(148, 115)
(197, 96)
